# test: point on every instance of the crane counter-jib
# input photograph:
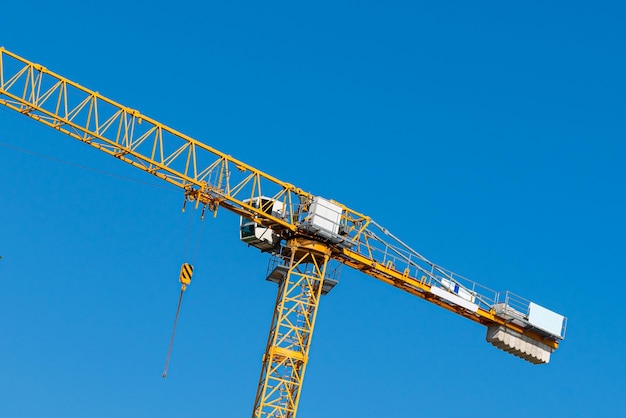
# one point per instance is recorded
(392, 261)
(277, 215)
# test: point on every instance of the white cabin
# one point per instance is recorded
(256, 234)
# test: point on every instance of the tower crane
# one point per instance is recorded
(302, 232)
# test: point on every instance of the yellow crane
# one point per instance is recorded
(301, 231)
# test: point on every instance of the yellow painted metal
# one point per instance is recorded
(212, 178)
(420, 288)
(207, 176)
(202, 171)
(289, 340)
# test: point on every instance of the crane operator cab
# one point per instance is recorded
(256, 234)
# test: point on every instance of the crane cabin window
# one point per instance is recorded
(255, 234)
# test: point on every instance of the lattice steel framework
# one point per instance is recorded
(289, 341)
(214, 179)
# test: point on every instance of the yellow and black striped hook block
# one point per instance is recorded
(186, 271)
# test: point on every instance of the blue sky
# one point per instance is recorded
(488, 136)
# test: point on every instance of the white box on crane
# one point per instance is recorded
(545, 319)
(452, 297)
(459, 290)
(324, 215)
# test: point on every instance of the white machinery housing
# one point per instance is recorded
(324, 219)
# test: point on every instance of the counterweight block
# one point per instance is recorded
(518, 344)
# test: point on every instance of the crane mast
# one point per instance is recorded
(300, 287)
(302, 231)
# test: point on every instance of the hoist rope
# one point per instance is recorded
(188, 236)
(169, 350)
(197, 243)
(184, 286)
(195, 251)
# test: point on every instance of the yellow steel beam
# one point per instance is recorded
(204, 173)
(420, 288)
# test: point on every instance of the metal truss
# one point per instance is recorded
(287, 351)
